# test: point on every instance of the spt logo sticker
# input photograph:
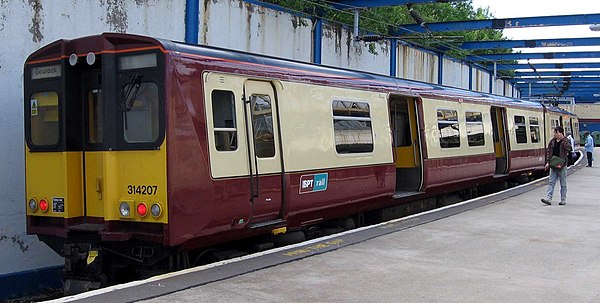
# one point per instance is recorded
(313, 183)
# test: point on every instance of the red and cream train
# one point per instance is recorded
(139, 148)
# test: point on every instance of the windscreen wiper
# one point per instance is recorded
(130, 91)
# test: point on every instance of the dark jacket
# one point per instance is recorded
(565, 149)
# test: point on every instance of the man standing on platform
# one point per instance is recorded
(558, 149)
(589, 147)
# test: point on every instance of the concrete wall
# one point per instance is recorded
(455, 74)
(418, 65)
(24, 27)
(340, 50)
(243, 26)
(28, 25)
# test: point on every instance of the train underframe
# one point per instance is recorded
(91, 263)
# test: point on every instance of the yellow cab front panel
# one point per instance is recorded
(95, 137)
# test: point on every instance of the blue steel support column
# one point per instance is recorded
(393, 56)
(192, 9)
(440, 68)
(491, 83)
(317, 40)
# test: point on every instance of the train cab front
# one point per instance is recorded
(95, 148)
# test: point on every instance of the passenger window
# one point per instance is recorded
(140, 113)
(448, 126)
(352, 127)
(534, 129)
(262, 125)
(475, 128)
(95, 119)
(223, 109)
(45, 118)
(521, 129)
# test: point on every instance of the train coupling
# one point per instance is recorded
(83, 268)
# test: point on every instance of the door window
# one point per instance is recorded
(262, 126)
(45, 118)
(95, 118)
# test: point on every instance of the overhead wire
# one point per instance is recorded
(396, 26)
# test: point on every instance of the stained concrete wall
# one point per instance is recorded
(26, 25)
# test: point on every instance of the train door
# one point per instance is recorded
(404, 121)
(500, 146)
(93, 161)
(261, 114)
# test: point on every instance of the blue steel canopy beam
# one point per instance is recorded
(546, 66)
(556, 79)
(503, 23)
(523, 56)
(352, 4)
(531, 43)
(558, 73)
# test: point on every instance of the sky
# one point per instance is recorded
(530, 8)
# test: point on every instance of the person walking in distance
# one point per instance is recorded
(559, 147)
(589, 147)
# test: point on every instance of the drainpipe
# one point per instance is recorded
(317, 40)
(393, 56)
(440, 68)
(192, 9)
(470, 77)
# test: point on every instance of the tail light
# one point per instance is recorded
(44, 205)
(142, 209)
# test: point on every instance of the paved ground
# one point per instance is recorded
(516, 250)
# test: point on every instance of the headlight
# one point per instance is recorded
(155, 210)
(32, 204)
(124, 209)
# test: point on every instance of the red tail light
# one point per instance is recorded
(142, 210)
(44, 205)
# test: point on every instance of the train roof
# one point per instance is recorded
(286, 68)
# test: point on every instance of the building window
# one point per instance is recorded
(352, 127)
(44, 118)
(534, 129)
(448, 126)
(223, 110)
(475, 128)
(520, 129)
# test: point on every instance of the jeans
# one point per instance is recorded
(562, 175)
(589, 157)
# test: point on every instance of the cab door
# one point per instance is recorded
(264, 154)
(93, 158)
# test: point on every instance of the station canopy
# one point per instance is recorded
(538, 74)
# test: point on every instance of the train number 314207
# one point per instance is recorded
(142, 189)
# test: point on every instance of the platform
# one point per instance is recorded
(508, 247)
